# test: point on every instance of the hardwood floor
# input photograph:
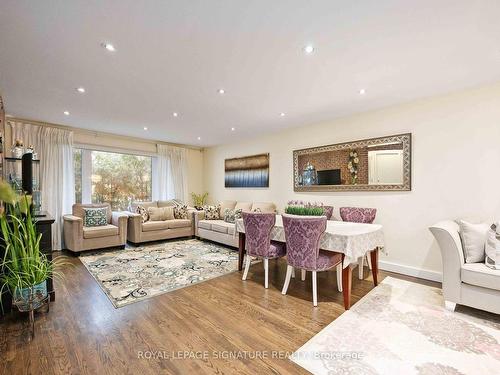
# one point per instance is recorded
(84, 334)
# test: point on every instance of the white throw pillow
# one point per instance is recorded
(493, 247)
(473, 240)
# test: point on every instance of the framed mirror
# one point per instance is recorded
(376, 164)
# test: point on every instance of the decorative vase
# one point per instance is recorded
(34, 295)
(17, 152)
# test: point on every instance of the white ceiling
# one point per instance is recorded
(173, 56)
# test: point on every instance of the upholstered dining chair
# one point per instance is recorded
(303, 235)
(258, 242)
(359, 215)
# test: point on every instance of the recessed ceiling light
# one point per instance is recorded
(80, 90)
(221, 91)
(175, 114)
(282, 114)
(199, 138)
(308, 49)
(109, 47)
(233, 129)
(145, 128)
(362, 92)
(66, 113)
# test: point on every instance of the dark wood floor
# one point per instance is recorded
(84, 334)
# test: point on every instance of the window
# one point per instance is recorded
(112, 177)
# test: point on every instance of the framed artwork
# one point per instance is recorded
(247, 172)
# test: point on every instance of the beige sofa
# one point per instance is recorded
(139, 232)
(78, 238)
(471, 284)
(221, 231)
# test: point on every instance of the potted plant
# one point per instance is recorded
(24, 268)
(199, 200)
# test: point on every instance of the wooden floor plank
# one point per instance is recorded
(83, 333)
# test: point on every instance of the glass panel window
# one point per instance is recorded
(120, 178)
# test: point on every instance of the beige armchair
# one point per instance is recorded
(78, 238)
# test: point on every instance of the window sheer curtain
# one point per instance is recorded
(57, 180)
(172, 172)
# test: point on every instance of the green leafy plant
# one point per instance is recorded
(199, 199)
(23, 265)
(304, 211)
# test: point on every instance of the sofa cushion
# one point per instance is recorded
(181, 212)
(480, 275)
(473, 238)
(223, 227)
(154, 225)
(78, 209)
(167, 203)
(101, 231)
(146, 205)
(266, 207)
(230, 216)
(205, 224)
(179, 223)
(212, 212)
(161, 214)
(226, 205)
(95, 217)
(244, 206)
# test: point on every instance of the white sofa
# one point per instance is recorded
(221, 231)
(471, 284)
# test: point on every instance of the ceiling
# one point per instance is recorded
(174, 56)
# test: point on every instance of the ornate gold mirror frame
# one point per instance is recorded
(403, 142)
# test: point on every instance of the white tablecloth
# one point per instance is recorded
(352, 239)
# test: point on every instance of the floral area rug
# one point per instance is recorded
(134, 274)
(401, 327)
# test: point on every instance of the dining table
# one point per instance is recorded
(352, 240)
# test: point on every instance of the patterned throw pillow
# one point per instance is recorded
(230, 216)
(256, 210)
(141, 210)
(95, 217)
(181, 212)
(212, 212)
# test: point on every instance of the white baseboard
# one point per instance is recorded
(410, 271)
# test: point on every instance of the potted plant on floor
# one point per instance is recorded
(24, 269)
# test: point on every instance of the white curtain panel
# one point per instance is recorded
(172, 172)
(57, 179)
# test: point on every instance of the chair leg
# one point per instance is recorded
(361, 262)
(287, 279)
(293, 272)
(369, 261)
(303, 275)
(266, 273)
(247, 267)
(339, 277)
(315, 289)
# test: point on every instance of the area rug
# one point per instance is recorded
(131, 275)
(401, 327)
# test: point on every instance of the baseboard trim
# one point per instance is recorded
(410, 271)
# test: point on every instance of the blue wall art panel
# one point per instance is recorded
(247, 172)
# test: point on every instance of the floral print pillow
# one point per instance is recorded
(212, 212)
(141, 210)
(181, 212)
(230, 216)
(95, 217)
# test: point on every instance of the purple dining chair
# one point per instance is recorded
(258, 242)
(359, 215)
(303, 234)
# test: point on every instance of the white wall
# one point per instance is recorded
(456, 169)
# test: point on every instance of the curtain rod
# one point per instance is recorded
(96, 133)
